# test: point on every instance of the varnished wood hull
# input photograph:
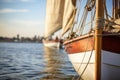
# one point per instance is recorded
(82, 54)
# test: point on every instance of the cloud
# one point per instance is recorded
(13, 10)
(29, 23)
(25, 0)
(8, 0)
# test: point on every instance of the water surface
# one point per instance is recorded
(32, 61)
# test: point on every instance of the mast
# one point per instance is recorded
(98, 39)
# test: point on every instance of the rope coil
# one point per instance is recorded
(99, 23)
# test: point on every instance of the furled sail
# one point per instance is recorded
(69, 15)
(54, 16)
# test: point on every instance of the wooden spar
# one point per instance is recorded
(113, 7)
(116, 9)
(98, 39)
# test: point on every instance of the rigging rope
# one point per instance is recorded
(77, 16)
(83, 20)
(81, 27)
(83, 57)
(88, 7)
(88, 61)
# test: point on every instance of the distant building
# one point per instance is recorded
(18, 37)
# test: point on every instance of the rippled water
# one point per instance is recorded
(31, 61)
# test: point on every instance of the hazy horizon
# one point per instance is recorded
(23, 17)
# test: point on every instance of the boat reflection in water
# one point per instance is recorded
(57, 65)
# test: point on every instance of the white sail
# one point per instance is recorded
(59, 14)
(54, 15)
(69, 15)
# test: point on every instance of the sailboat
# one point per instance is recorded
(95, 55)
(51, 43)
(53, 23)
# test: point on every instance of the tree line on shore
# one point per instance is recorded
(21, 39)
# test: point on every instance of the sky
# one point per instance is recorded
(23, 17)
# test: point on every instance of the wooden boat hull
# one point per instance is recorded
(82, 55)
(51, 43)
